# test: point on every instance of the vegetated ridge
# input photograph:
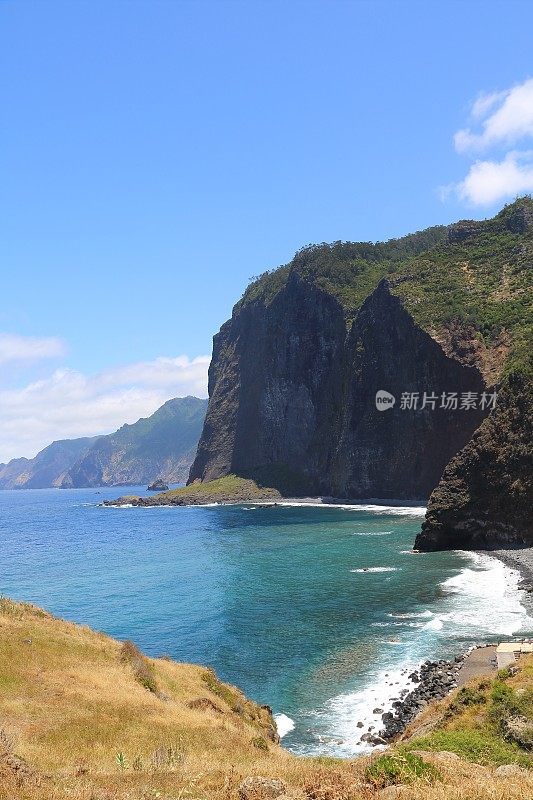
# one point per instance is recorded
(160, 446)
(48, 468)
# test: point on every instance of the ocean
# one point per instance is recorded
(320, 612)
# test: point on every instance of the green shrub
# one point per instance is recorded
(142, 669)
(503, 674)
(401, 768)
(512, 714)
(483, 746)
(260, 742)
(120, 758)
(220, 689)
(465, 697)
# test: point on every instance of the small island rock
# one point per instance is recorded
(158, 485)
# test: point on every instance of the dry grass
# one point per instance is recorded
(78, 723)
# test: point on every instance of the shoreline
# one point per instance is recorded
(436, 680)
(401, 507)
(519, 559)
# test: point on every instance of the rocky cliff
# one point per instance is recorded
(295, 371)
(485, 498)
(162, 445)
(293, 398)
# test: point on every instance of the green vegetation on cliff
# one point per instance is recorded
(161, 445)
(489, 722)
(472, 279)
(48, 468)
(229, 489)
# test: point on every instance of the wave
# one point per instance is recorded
(479, 603)
(338, 725)
(412, 615)
(434, 625)
(373, 533)
(483, 599)
(284, 724)
(402, 624)
(411, 511)
(375, 569)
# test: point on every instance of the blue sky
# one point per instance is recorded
(155, 155)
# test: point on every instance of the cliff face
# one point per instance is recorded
(162, 445)
(47, 469)
(401, 452)
(274, 385)
(293, 398)
(485, 498)
(296, 369)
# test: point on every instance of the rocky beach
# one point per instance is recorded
(521, 559)
(432, 681)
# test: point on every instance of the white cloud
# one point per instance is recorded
(29, 348)
(506, 118)
(69, 404)
(503, 119)
(484, 103)
(490, 181)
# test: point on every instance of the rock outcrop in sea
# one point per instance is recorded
(158, 485)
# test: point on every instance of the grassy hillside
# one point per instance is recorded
(88, 718)
(473, 278)
(229, 489)
(489, 721)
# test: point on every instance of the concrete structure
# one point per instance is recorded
(508, 652)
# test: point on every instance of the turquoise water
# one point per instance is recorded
(319, 612)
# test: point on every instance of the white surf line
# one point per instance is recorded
(415, 511)
(375, 569)
(485, 597)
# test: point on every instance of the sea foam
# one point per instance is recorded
(484, 599)
(481, 602)
(375, 569)
(284, 724)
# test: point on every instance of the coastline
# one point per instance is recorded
(392, 506)
(435, 680)
(520, 560)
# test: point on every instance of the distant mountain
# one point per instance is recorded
(48, 468)
(161, 446)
